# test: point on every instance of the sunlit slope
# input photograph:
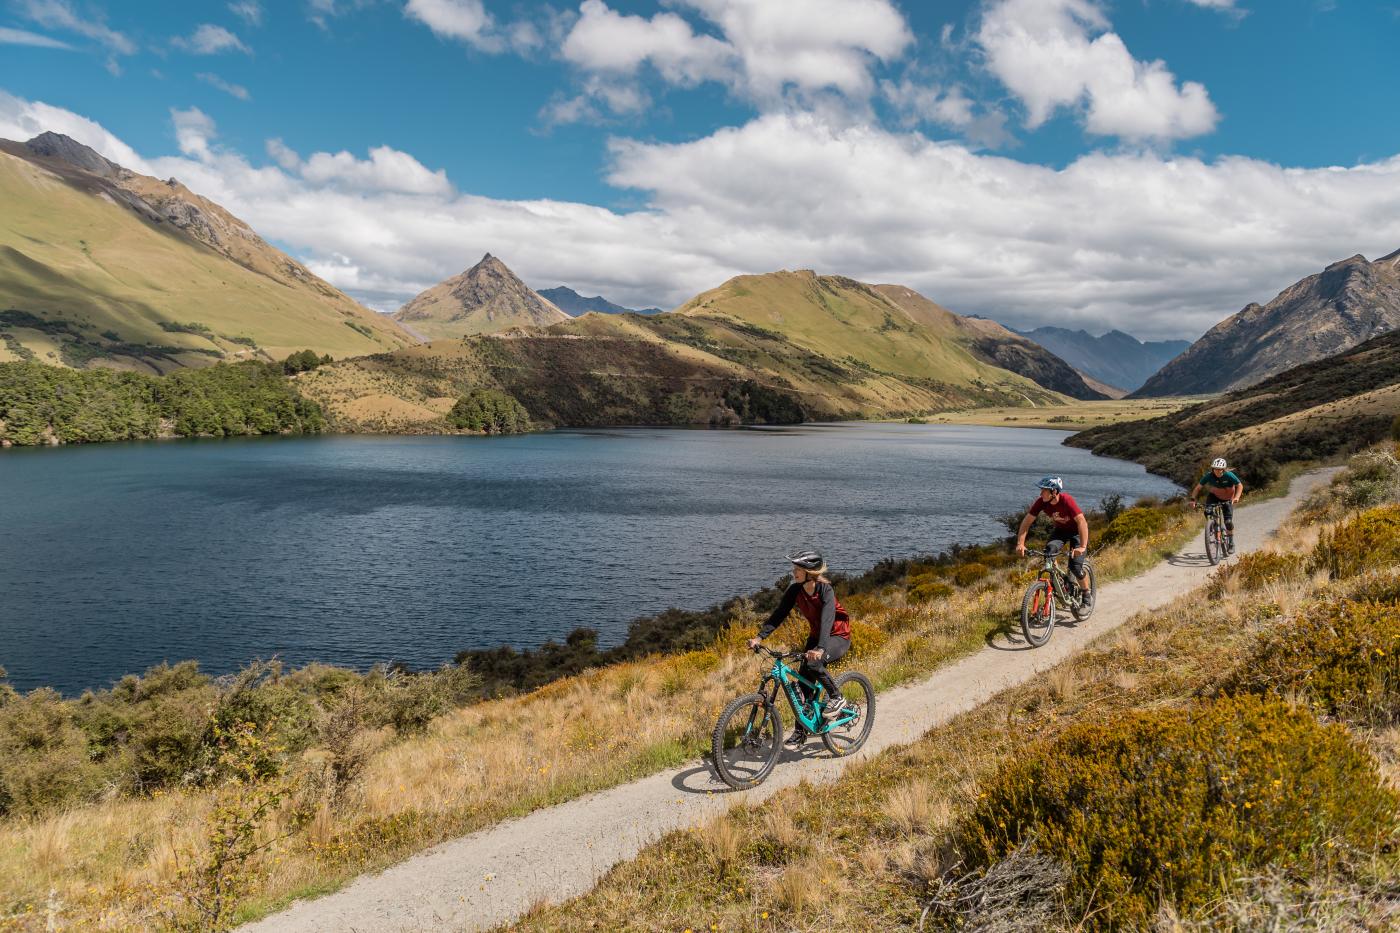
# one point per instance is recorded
(840, 318)
(84, 280)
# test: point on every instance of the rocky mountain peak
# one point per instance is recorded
(487, 298)
(51, 145)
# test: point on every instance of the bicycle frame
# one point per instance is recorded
(784, 677)
(1058, 578)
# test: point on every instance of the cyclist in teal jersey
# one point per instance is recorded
(1226, 488)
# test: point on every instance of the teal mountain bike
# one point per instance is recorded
(748, 738)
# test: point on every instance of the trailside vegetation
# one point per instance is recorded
(50, 405)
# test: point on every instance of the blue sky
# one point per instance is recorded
(628, 147)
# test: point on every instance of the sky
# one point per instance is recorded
(1147, 165)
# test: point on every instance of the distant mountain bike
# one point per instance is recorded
(1219, 543)
(748, 737)
(1053, 591)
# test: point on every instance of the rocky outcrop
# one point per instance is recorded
(486, 299)
(1324, 314)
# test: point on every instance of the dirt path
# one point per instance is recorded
(490, 877)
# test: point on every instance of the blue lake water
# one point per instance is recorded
(357, 550)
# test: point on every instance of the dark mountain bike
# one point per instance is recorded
(748, 737)
(1053, 591)
(1219, 543)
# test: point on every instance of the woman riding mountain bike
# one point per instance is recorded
(1225, 489)
(828, 639)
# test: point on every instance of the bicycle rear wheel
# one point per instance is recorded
(747, 741)
(1212, 542)
(1038, 613)
(848, 734)
(1080, 611)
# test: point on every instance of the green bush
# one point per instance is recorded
(968, 574)
(1137, 522)
(1256, 570)
(491, 411)
(1369, 541)
(1342, 656)
(926, 586)
(1174, 805)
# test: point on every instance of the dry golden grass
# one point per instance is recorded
(112, 865)
(887, 826)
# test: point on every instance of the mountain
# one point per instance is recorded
(1324, 314)
(778, 348)
(1116, 358)
(1310, 412)
(101, 266)
(571, 302)
(994, 344)
(486, 299)
(890, 328)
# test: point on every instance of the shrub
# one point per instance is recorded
(418, 699)
(1369, 541)
(968, 574)
(925, 588)
(491, 411)
(1256, 570)
(1342, 656)
(1112, 506)
(1173, 805)
(1137, 522)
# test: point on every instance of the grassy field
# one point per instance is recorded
(889, 848)
(143, 862)
(1072, 416)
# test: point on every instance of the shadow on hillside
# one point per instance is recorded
(702, 780)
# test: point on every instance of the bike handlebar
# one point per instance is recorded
(785, 655)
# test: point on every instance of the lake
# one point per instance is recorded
(358, 550)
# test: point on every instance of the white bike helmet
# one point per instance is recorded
(1219, 464)
(1052, 483)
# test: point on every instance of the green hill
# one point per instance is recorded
(100, 266)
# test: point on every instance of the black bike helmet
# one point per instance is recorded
(807, 560)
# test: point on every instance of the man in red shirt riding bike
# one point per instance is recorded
(1070, 526)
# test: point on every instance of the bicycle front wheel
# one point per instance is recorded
(1212, 542)
(747, 741)
(849, 732)
(1038, 613)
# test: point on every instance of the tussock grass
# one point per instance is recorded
(892, 832)
(114, 864)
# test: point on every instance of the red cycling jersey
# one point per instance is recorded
(1062, 512)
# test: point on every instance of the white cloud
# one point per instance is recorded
(194, 132)
(604, 40)
(918, 103)
(22, 119)
(768, 51)
(466, 20)
(1060, 53)
(250, 11)
(209, 39)
(1215, 4)
(59, 14)
(233, 90)
(24, 37)
(1158, 246)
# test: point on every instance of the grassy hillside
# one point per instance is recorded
(830, 349)
(1313, 411)
(87, 281)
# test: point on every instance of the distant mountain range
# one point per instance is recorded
(1324, 314)
(1314, 411)
(571, 302)
(486, 299)
(1116, 358)
(102, 266)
